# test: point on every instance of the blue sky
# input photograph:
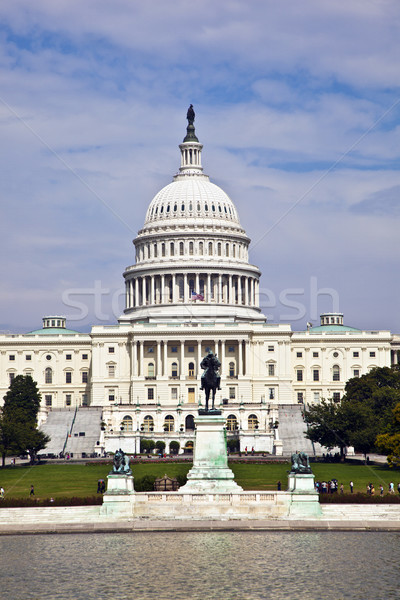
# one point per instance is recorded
(297, 105)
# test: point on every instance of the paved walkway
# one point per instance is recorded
(141, 525)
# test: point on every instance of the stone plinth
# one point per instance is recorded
(119, 497)
(304, 498)
(210, 471)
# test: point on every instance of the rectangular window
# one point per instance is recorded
(85, 400)
(315, 354)
(231, 349)
(68, 399)
(48, 399)
(85, 356)
(271, 393)
(271, 370)
(299, 354)
(190, 348)
(356, 354)
(111, 370)
(270, 348)
(299, 375)
(12, 377)
(12, 357)
(300, 397)
(111, 395)
(232, 393)
(336, 396)
(68, 377)
(150, 350)
(356, 372)
(28, 357)
(316, 397)
(315, 375)
(68, 357)
(174, 393)
(84, 376)
(150, 393)
(111, 350)
(372, 354)
(174, 348)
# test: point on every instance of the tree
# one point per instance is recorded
(18, 420)
(160, 445)
(174, 447)
(326, 425)
(366, 411)
(389, 442)
(147, 445)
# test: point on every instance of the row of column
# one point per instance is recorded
(174, 288)
(161, 359)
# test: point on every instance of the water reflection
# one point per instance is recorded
(201, 565)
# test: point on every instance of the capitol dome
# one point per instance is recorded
(192, 252)
(191, 198)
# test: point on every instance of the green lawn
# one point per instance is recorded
(55, 480)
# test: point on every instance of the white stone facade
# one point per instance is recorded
(191, 288)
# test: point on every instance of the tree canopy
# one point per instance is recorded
(18, 419)
(365, 412)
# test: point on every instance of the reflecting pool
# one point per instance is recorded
(201, 566)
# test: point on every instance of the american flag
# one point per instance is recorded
(196, 296)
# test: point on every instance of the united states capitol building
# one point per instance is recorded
(191, 289)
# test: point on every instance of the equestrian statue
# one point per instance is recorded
(210, 380)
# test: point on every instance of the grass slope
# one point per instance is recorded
(55, 480)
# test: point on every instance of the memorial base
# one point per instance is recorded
(304, 498)
(210, 471)
(119, 497)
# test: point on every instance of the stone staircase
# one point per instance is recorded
(85, 431)
(57, 426)
(292, 430)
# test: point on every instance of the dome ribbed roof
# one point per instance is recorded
(191, 197)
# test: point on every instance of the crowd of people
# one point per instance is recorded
(332, 487)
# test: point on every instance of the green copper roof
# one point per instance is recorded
(53, 331)
(332, 329)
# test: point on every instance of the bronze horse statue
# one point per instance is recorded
(211, 379)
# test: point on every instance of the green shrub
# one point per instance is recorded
(145, 484)
(174, 447)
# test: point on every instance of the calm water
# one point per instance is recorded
(201, 566)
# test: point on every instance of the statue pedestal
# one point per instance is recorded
(119, 497)
(304, 498)
(210, 471)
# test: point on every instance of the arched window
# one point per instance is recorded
(253, 422)
(148, 423)
(181, 248)
(231, 369)
(210, 248)
(191, 248)
(231, 423)
(150, 370)
(201, 248)
(227, 249)
(127, 423)
(219, 248)
(234, 250)
(155, 250)
(191, 369)
(48, 375)
(174, 369)
(163, 249)
(189, 423)
(169, 423)
(336, 373)
(171, 249)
